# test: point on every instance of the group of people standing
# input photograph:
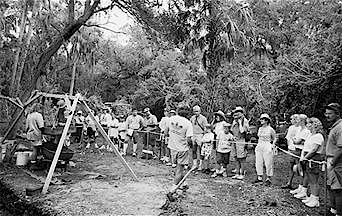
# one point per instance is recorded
(307, 142)
(311, 146)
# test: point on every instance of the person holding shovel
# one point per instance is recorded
(179, 130)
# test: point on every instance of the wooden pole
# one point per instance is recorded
(106, 137)
(60, 145)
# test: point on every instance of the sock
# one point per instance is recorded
(334, 211)
(125, 148)
(135, 147)
(300, 187)
(259, 177)
(304, 190)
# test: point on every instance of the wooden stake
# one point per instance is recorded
(106, 137)
(60, 145)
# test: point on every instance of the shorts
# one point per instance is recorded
(294, 160)
(222, 158)
(239, 151)
(312, 167)
(180, 157)
(206, 150)
(197, 139)
(134, 137)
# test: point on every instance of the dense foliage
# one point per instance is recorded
(268, 56)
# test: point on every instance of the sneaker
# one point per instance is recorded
(162, 159)
(133, 154)
(214, 175)
(286, 186)
(174, 165)
(306, 200)
(222, 170)
(257, 181)
(295, 191)
(185, 167)
(168, 164)
(234, 171)
(224, 175)
(155, 157)
(301, 195)
(102, 147)
(96, 146)
(235, 176)
(314, 202)
(200, 169)
(240, 177)
(268, 182)
(88, 146)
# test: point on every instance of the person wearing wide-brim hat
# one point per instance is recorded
(264, 150)
(217, 123)
(61, 119)
(240, 127)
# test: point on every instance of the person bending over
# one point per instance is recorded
(179, 130)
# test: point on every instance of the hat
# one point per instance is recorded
(61, 103)
(220, 113)
(167, 109)
(226, 124)
(146, 109)
(79, 112)
(196, 108)
(238, 109)
(121, 116)
(334, 106)
(172, 111)
(265, 115)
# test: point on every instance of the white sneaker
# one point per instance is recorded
(235, 177)
(88, 146)
(314, 202)
(174, 165)
(222, 170)
(307, 199)
(96, 146)
(234, 171)
(214, 175)
(240, 177)
(301, 195)
(295, 191)
(102, 147)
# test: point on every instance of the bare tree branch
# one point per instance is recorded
(102, 27)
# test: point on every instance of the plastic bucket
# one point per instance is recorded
(22, 158)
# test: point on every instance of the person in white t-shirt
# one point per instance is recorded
(264, 151)
(291, 133)
(223, 149)
(134, 123)
(165, 152)
(34, 127)
(113, 132)
(311, 151)
(122, 134)
(206, 149)
(179, 130)
(298, 142)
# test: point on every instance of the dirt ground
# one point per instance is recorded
(99, 185)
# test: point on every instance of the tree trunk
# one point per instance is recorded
(73, 75)
(17, 55)
(64, 35)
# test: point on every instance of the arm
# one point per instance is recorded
(338, 152)
(312, 152)
(273, 137)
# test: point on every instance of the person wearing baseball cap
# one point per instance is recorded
(334, 156)
(149, 139)
(265, 149)
(179, 130)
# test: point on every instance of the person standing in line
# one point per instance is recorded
(171, 163)
(311, 149)
(264, 150)
(113, 132)
(105, 118)
(206, 149)
(217, 124)
(179, 130)
(79, 123)
(239, 129)
(34, 127)
(298, 142)
(291, 133)
(134, 122)
(91, 129)
(150, 125)
(198, 123)
(334, 157)
(122, 136)
(224, 147)
(165, 153)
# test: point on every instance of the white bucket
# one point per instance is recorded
(22, 158)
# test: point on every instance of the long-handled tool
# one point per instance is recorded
(169, 195)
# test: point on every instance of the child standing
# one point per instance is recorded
(113, 132)
(122, 130)
(224, 148)
(206, 148)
